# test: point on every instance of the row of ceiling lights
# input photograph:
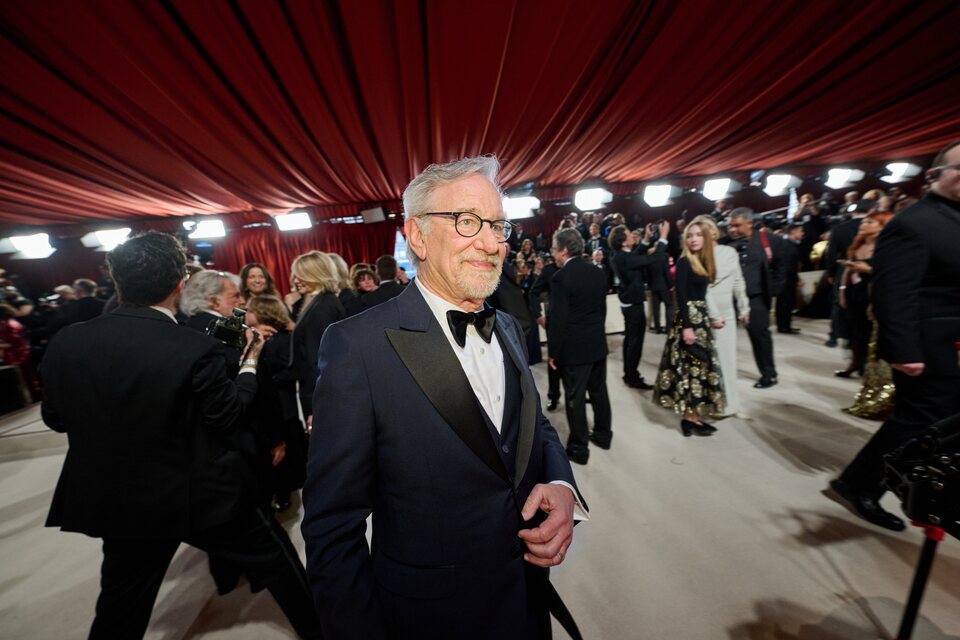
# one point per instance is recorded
(592, 199)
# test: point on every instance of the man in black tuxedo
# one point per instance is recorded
(209, 296)
(841, 237)
(432, 423)
(761, 259)
(389, 287)
(86, 306)
(149, 409)
(518, 235)
(787, 299)
(916, 300)
(541, 285)
(577, 343)
(596, 242)
(661, 288)
(630, 263)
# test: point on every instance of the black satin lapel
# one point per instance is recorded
(528, 407)
(432, 363)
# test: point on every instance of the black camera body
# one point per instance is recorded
(231, 330)
(925, 474)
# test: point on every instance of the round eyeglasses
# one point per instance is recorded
(469, 224)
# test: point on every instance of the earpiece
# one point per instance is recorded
(933, 174)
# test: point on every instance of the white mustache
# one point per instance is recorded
(482, 257)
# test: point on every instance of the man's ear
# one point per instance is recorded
(415, 239)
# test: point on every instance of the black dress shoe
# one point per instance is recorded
(579, 458)
(552, 405)
(830, 343)
(603, 440)
(866, 507)
(764, 383)
(637, 383)
(790, 330)
(690, 428)
(843, 373)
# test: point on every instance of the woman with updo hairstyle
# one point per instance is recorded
(255, 280)
(314, 274)
(275, 412)
(689, 380)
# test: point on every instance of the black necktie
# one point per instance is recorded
(483, 320)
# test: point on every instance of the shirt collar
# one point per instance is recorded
(439, 307)
(165, 312)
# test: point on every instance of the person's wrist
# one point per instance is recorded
(250, 362)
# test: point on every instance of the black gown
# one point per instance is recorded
(684, 382)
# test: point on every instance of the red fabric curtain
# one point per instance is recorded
(126, 109)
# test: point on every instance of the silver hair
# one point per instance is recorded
(202, 286)
(569, 239)
(742, 212)
(417, 195)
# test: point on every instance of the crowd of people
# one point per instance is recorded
(407, 371)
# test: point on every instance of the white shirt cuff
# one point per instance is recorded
(579, 511)
(252, 370)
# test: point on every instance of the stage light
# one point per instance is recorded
(658, 195)
(208, 229)
(839, 178)
(294, 220)
(591, 199)
(521, 207)
(106, 239)
(27, 247)
(719, 188)
(779, 183)
(900, 171)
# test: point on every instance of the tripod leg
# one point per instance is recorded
(933, 536)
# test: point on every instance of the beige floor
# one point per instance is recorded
(689, 538)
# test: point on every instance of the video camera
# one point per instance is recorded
(925, 474)
(231, 330)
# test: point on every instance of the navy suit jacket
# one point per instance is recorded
(398, 431)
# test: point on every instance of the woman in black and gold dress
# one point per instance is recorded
(689, 379)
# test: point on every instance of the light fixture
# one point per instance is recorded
(208, 229)
(591, 199)
(294, 220)
(719, 188)
(520, 207)
(658, 195)
(839, 177)
(27, 247)
(106, 239)
(779, 183)
(900, 171)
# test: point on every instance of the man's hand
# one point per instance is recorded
(552, 363)
(547, 544)
(912, 369)
(255, 340)
(745, 319)
(718, 324)
(664, 230)
(278, 452)
(266, 331)
(309, 424)
(542, 321)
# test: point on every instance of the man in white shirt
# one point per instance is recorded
(472, 496)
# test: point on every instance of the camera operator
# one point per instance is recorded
(916, 298)
(149, 409)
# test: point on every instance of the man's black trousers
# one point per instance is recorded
(665, 297)
(786, 302)
(133, 570)
(758, 328)
(578, 381)
(634, 330)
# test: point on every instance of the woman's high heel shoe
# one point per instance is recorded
(690, 428)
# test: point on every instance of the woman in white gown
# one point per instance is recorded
(728, 286)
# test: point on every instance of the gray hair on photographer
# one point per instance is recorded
(742, 212)
(202, 286)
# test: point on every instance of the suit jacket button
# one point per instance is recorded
(505, 448)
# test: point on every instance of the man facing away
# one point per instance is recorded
(150, 411)
(916, 300)
(428, 418)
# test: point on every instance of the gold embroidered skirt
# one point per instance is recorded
(877, 394)
(685, 382)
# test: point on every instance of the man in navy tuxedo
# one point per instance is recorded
(427, 417)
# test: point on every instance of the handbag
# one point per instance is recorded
(696, 351)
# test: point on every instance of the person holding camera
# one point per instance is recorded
(209, 296)
(149, 410)
(916, 301)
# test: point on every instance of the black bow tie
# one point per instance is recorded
(483, 320)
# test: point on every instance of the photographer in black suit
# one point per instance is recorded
(577, 343)
(916, 301)
(148, 408)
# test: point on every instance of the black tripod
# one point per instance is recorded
(934, 535)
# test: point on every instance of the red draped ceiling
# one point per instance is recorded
(133, 108)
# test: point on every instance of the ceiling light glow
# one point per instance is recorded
(657, 195)
(522, 207)
(297, 219)
(208, 229)
(591, 199)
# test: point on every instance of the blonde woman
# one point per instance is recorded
(727, 287)
(315, 276)
(689, 380)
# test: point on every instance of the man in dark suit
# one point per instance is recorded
(149, 409)
(630, 263)
(577, 343)
(541, 285)
(86, 306)
(518, 235)
(596, 242)
(841, 237)
(431, 422)
(761, 259)
(787, 300)
(916, 300)
(209, 296)
(661, 287)
(389, 287)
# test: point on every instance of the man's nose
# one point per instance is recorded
(487, 240)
